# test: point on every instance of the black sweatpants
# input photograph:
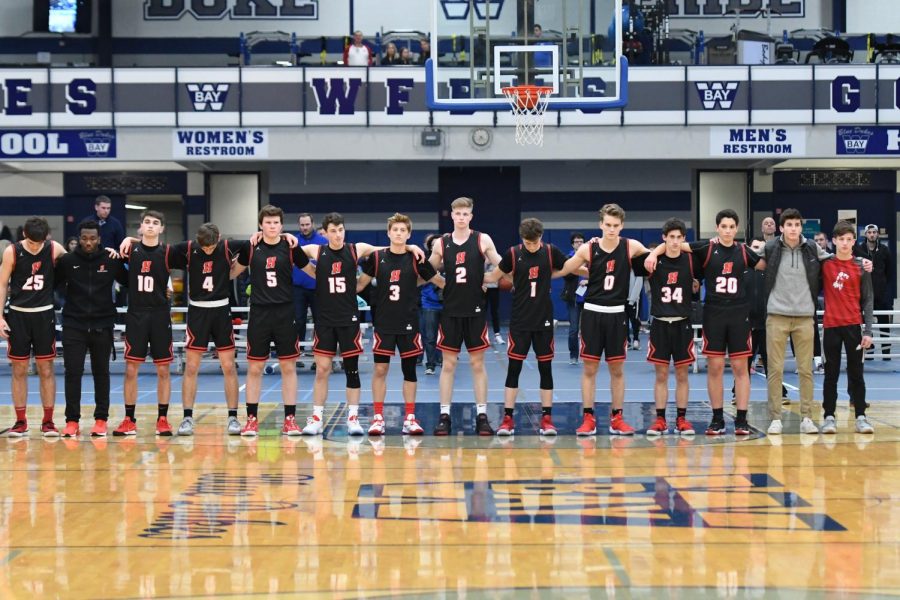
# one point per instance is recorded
(76, 344)
(849, 337)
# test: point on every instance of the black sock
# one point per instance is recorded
(661, 413)
(188, 412)
(682, 412)
(162, 410)
(614, 412)
(718, 414)
(546, 410)
(588, 411)
(290, 411)
(508, 411)
(232, 412)
(129, 412)
(741, 416)
(251, 410)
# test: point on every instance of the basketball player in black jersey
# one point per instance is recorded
(721, 263)
(208, 261)
(337, 321)
(532, 264)
(148, 322)
(462, 254)
(30, 324)
(603, 322)
(671, 333)
(271, 319)
(397, 277)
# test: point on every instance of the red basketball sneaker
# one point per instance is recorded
(163, 427)
(507, 426)
(71, 429)
(126, 427)
(588, 426)
(547, 426)
(19, 429)
(48, 429)
(683, 426)
(290, 426)
(618, 426)
(659, 427)
(251, 429)
(99, 428)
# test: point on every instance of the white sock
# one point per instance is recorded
(353, 411)
(318, 411)
(445, 409)
(481, 409)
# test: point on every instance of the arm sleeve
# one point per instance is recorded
(178, 255)
(637, 266)
(426, 270)
(243, 256)
(559, 259)
(299, 257)
(866, 299)
(368, 265)
(506, 264)
(752, 257)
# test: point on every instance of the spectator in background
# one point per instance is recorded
(424, 52)
(71, 244)
(537, 30)
(390, 55)
(304, 285)
(111, 231)
(358, 53)
(632, 310)
(430, 316)
(573, 295)
(768, 229)
(405, 57)
(882, 272)
(492, 297)
(822, 240)
(5, 233)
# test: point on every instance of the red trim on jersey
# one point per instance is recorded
(709, 352)
(708, 255)
(376, 347)
(356, 351)
(415, 264)
(691, 267)
(418, 351)
(376, 269)
(512, 258)
(585, 355)
(316, 343)
(227, 251)
(485, 343)
(478, 239)
(628, 249)
(546, 357)
(744, 252)
(353, 252)
(692, 357)
(168, 269)
(512, 344)
(549, 248)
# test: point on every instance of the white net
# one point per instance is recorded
(528, 104)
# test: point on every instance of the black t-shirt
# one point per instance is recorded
(336, 286)
(671, 285)
(208, 275)
(532, 308)
(397, 289)
(148, 276)
(271, 267)
(722, 269)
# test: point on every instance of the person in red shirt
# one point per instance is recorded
(848, 303)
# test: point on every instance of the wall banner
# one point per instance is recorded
(232, 144)
(57, 144)
(748, 142)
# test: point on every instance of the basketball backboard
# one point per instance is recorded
(481, 46)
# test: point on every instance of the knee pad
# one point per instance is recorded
(351, 370)
(546, 371)
(513, 372)
(408, 366)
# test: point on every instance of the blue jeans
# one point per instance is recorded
(429, 319)
(574, 324)
(303, 299)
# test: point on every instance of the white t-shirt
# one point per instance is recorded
(358, 56)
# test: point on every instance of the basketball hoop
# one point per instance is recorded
(528, 104)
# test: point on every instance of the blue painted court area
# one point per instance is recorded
(880, 383)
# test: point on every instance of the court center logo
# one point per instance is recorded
(716, 95)
(459, 9)
(208, 96)
(727, 501)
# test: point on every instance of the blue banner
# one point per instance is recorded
(871, 140)
(57, 144)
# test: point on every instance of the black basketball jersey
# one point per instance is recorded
(671, 286)
(336, 286)
(723, 271)
(208, 275)
(148, 276)
(464, 271)
(532, 307)
(608, 282)
(271, 271)
(31, 283)
(397, 289)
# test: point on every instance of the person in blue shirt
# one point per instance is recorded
(304, 285)
(574, 300)
(111, 230)
(430, 316)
